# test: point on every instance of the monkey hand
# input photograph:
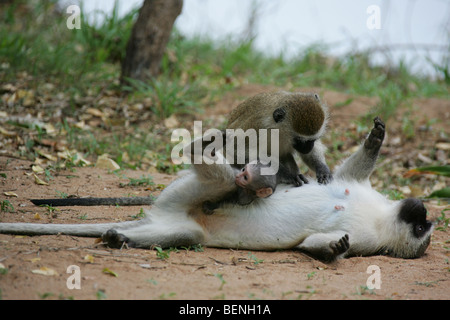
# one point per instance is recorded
(323, 174)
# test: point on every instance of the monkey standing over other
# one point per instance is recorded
(301, 119)
(341, 219)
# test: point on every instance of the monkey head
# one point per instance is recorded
(415, 230)
(250, 178)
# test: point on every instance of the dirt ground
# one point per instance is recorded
(36, 267)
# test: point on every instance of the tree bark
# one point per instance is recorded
(149, 39)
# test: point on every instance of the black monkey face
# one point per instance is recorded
(303, 146)
(416, 230)
(414, 213)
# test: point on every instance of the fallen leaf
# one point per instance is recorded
(171, 122)
(7, 133)
(37, 169)
(88, 258)
(10, 194)
(443, 146)
(39, 181)
(33, 260)
(107, 271)
(37, 216)
(46, 155)
(50, 129)
(95, 112)
(45, 271)
(103, 162)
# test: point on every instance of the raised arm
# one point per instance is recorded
(360, 165)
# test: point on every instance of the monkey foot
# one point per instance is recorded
(299, 180)
(113, 239)
(340, 246)
(375, 140)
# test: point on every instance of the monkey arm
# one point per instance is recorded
(360, 165)
(315, 160)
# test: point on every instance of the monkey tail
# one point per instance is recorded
(81, 230)
(125, 201)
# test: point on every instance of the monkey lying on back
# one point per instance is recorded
(341, 219)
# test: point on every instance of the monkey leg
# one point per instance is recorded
(325, 247)
(375, 139)
(163, 233)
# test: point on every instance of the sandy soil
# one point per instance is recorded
(187, 274)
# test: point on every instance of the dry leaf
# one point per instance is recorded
(45, 271)
(74, 156)
(37, 169)
(7, 133)
(107, 271)
(50, 129)
(10, 194)
(171, 122)
(33, 260)
(46, 155)
(443, 146)
(95, 112)
(103, 162)
(37, 216)
(88, 258)
(39, 181)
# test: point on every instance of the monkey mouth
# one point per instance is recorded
(238, 183)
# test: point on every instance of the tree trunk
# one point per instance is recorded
(149, 38)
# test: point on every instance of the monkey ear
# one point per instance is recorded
(264, 192)
(279, 115)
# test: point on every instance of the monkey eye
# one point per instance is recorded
(420, 229)
(243, 169)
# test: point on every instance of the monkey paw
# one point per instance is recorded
(116, 240)
(299, 180)
(375, 140)
(340, 246)
(323, 174)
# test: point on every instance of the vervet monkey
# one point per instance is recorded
(301, 119)
(340, 219)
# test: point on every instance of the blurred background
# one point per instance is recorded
(413, 31)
